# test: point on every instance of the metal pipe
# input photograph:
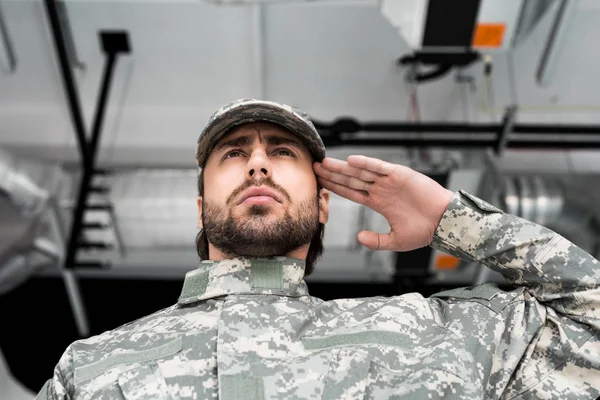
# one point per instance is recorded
(558, 145)
(69, 279)
(366, 142)
(117, 231)
(101, 109)
(350, 125)
(459, 143)
(68, 36)
(7, 51)
(558, 129)
(69, 83)
(507, 128)
(556, 41)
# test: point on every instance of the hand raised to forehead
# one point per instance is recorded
(411, 202)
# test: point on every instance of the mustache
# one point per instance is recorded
(267, 182)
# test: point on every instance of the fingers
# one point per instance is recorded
(344, 178)
(375, 241)
(371, 164)
(354, 195)
(342, 167)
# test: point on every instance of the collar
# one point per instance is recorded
(279, 276)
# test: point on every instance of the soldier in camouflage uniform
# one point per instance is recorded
(245, 326)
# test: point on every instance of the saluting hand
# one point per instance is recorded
(412, 203)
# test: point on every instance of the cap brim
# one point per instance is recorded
(253, 111)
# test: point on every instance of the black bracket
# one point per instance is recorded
(442, 62)
(115, 42)
(112, 44)
(508, 123)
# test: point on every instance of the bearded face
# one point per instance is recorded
(260, 196)
(260, 230)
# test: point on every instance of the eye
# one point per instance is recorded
(232, 153)
(284, 152)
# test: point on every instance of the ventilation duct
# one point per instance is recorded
(23, 192)
(22, 204)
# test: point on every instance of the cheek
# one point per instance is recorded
(299, 183)
(220, 186)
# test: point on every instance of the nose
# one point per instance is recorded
(258, 165)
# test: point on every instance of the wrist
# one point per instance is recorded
(444, 198)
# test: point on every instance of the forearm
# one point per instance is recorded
(525, 253)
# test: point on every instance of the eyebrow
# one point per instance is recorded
(246, 140)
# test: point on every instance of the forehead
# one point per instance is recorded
(264, 128)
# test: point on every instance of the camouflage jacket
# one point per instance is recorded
(248, 329)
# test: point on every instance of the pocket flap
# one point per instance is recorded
(386, 338)
(92, 370)
(487, 294)
(487, 291)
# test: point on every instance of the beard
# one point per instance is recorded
(256, 234)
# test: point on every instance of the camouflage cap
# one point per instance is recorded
(251, 110)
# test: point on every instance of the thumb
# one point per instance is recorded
(375, 241)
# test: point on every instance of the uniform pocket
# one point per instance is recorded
(357, 374)
(144, 382)
(348, 374)
(417, 383)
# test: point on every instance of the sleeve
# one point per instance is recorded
(540, 340)
(58, 387)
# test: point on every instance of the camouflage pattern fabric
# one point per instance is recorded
(248, 329)
(251, 110)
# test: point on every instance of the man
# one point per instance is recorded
(245, 326)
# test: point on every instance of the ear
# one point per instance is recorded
(199, 201)
(323, 206)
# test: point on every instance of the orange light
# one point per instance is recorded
(446, 262)
(489, 35)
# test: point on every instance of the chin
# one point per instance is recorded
(261, 209)
(257, 222)
(258, 210)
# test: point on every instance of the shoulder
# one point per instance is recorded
(379, 307)
(167, 319)
(83, 358)
(153, 331)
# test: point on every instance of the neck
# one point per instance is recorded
(215, 254)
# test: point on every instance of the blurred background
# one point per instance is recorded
(102, 102)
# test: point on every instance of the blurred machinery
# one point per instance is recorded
(444, 35)
(435, 25)
(30, 236)
(30, 218)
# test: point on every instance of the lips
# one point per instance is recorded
(259, 191)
